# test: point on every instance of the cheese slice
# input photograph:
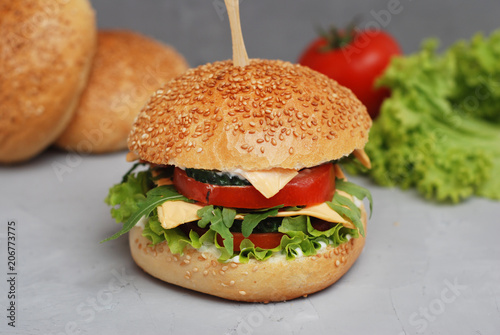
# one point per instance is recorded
(161, 181)
(174, 213)
(321, 211)
(269, 182)
(164, 181)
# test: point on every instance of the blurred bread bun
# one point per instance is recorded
(127, 69)
(46, 52)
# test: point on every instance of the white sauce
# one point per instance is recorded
(235, 259)
(357, 202)
(233, 173)
(210, 248)
(142, 222)
(298, 252)
(323, 245)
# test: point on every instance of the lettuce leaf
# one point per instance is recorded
(134, 201)
(347, 208)
(354, 190)
(250, 221)
(126, 196)
(439, 132)
(300, 239)
(138, 198)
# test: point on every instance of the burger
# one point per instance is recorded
(240, 194)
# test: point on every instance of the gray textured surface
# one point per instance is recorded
(426, 268)
(282, 28)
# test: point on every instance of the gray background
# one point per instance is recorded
(426, 268)
(282, 28)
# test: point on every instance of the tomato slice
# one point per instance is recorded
(311, 186)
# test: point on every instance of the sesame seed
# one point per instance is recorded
(201, 104)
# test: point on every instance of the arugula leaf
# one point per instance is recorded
(206, 215)
(355, 190)
(154, 198)
(293, 208)
(217, 224)
(220, 221)
(294, 223)
(348, 210)
(252, 220)
(228, 215)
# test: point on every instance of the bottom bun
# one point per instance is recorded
(275, 279)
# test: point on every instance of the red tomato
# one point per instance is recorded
(311, 186)
(356, 65)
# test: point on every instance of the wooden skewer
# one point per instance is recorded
(361, 155)
(131, 156)
(240, 57)
(338, 172)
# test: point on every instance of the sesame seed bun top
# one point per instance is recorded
(264, 115)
